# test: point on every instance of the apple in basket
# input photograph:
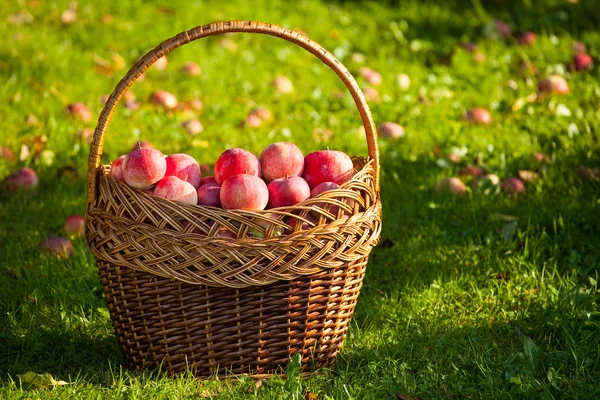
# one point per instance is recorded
(287, 191)
(236, 161)
(327, 166)
(173, 188)
(116, 168)
(184, 167)
(280, 160)
(209, 194)
(244, 192)
(143, 167)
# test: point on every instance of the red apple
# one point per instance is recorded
(184, 167)
(226, 233)
(57, 246)
(541, 157)
(583, 62)
(209, 195)
(244, 192)
(281, 159)
(207, 180)
(196, 104)
(142, 143)
(164, 99)
(371, 94)
(469, 46)
(554, 83)
(283, 84)
(327, 166)
(161, 64)
(192, 127)
(74, 225)
(207, 169)
(116, 168)
(325, 187)
(253, 121)
(175, 189)
(452, 185)
(471, 170)
(236, 161)
(512, 187)
(268, 224)
(391, 130)
(579, 47)
(143, 167)
(7, 154)
(479, 116)
(371, 76)
(300, 223)
(80, 111)
(23, 179)
(503, 29)
(284, 192)
(588, 174)
(190, 68)
(526, 38)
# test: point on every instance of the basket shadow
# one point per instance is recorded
(65, 354)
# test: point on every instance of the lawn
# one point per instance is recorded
(478, 296)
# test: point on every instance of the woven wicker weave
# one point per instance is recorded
(183, 296)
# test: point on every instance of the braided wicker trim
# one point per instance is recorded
(129, 228)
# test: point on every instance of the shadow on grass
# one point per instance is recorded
(66, 354)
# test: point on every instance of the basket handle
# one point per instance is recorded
(214, 29)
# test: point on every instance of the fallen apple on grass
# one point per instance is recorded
(553, 84)
(23, 179)
(164, 99)
(512, 187)
(391, 130)
(283, 84)
(192, 127)
(191, 68)
(452, 185)
(80, 111)
(478, 116)
(74, 225)
(582, 62)
(57, 246)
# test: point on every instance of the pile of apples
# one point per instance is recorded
(280, 177)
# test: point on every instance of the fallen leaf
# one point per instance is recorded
(206, 393)
(30, 379)
(311, 396)
(24, 154)
(528, 176)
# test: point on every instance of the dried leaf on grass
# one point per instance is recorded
(528, 176)
(31, 379)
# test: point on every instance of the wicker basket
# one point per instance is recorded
(182, 297)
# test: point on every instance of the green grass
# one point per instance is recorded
(473, 297)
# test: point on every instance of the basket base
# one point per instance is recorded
(222, 331)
